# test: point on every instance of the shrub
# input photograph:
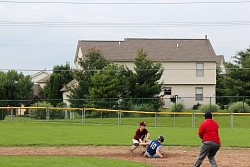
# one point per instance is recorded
(39, 113)
(178, 107)
(237, 107)
(207, 107)
(3, 113)
(143, 107)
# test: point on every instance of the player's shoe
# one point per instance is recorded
(131, 151)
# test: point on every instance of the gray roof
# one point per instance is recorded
(44, 80)
(69, 85)
(220, 60)
(157, 49)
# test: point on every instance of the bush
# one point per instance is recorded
(3, 113)
(178, 107)
(143, 107)
(237, 107)
(207, 107)
(39, 113)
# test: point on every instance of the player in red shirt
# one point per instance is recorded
(208, 132)
(139, 136)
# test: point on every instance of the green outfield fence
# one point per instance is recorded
(128, 117)
(126, 111)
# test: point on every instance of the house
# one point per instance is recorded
(39, 79)
(189, 65)
(66, 91)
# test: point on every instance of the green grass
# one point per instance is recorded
(239, 121)
(68, 134)
(62, 161)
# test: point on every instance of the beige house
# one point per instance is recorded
(40, 78)
(189, 64)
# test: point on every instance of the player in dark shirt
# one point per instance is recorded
(139, 136)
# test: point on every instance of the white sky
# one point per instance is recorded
(39, 47)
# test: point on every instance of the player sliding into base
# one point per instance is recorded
(154, 148)
(139, 136)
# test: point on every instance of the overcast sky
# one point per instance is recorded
(35, 36)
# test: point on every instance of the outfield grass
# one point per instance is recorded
(62, 161)
(68, 134)
(224, 121)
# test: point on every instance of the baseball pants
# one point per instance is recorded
(208, 149)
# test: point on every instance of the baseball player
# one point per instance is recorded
(208, 132)
(139, 136)
(154, 148)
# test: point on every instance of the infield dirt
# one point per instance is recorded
(173, 156)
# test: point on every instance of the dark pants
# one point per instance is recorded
(208, 149)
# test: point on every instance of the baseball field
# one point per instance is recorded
(55, 144)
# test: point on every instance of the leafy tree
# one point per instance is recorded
(60, 77)
(238, 77)
(221, 88)
(92, 62)
(147, 75)
(15, 86)
(145, 82)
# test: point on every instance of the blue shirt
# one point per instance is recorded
(153, 146)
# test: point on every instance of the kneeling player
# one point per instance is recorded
(154, 148)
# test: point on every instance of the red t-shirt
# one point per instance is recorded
(140, 134)
(208, 131)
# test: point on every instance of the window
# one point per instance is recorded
(199, 94)
(167, 91)
(199, 70)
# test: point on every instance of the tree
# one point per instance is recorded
(146, 78)
(238, 77)
(92, 62)
(220, 88)
(60, 77)
(145, 82)
(15, 86)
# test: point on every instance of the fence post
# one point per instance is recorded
(47, 113)
(11, 114)
(156, 116)
(232, 120)
(118, 114)
(193, 120)
(120, 118)
(174, 119)
(82, 115)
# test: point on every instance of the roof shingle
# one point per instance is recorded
(157, 49)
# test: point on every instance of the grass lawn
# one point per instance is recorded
(62, 161)
(63, 134)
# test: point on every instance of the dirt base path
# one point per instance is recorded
(173, 156)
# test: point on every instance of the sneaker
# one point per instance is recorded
(131, 151)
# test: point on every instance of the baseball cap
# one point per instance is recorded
(208, 114)
(143, 124)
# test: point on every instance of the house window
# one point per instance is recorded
(199, 94)
(199, 70)
(167, 91)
